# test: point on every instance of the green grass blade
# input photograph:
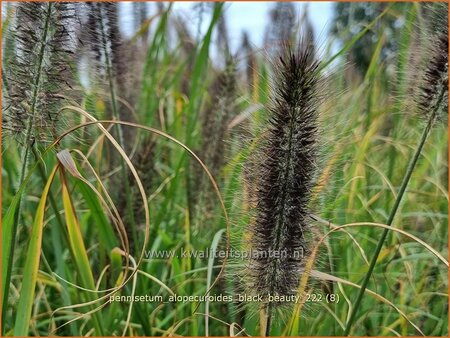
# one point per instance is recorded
(7, 238)
(213, 249)
(78, 247)
(103, 226)
(30, 272)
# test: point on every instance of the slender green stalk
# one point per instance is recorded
(268, 320)
(393, 213)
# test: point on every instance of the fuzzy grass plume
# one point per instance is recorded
(39, 71)
(214, 121)
(104, 39)
(433, 95)
(279, 231)
(218, 114)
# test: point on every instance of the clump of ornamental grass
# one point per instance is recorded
(432, 105)
(286, 159)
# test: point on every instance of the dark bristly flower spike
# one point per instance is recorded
(214, 134)
(433, 97)
(104, 37)
(219, 113)
(288, 160)
(40, 70)
(105, 40)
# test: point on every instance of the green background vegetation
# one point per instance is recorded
(369, 132)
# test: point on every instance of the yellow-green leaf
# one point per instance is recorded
(30, 272)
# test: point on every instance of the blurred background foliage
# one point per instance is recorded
(185, 79)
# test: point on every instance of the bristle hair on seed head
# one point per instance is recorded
(103, 37)
(218, 113)
(433, 95)
(40, 70)
(287, 163)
